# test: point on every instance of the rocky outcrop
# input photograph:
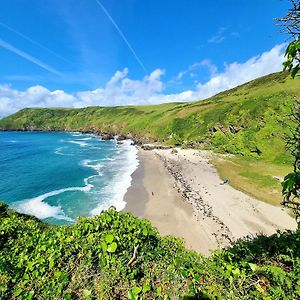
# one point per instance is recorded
(154, 146)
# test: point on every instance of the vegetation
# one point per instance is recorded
(290, 25)
(118, 256)
(248, 120)
(291, 183)
(258, 178)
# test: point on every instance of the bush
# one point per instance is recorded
(118, 256)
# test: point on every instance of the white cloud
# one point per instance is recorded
(121, 90)
(238, 73)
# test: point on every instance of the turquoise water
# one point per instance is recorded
(60, 176)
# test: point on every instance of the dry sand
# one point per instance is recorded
(181, 194)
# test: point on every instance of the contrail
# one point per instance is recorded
(122, 35)
(33, 42)
(28, 57)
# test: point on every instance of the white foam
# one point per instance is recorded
(110, 159)
(79, 142)
(89, 163)
(85, 139)
(116, 188)
(42, 210)
(76, 133)
(58, 151)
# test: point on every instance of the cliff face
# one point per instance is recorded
(249, 120)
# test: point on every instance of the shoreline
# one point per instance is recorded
(183, 195)
(136, 188)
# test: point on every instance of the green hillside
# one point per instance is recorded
(119, 256)
(248, 120)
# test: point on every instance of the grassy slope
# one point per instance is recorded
(257, 110)
(94, 259)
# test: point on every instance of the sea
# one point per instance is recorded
(60, 176)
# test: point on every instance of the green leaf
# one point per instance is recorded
(136, 290)
(131, 295)
(112, 247)
(236, 272)
(51, 264)
(253, 267)
(30, 295)
(159, 290)
(104, 246)
(68, 240)
(295, 71)
(103, 262)
(146, 288)
(109, 238)
(18, 292)
(108, 218)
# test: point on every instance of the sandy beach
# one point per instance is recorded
(182, 195)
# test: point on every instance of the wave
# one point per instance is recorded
(110, 159)
(115, 165)
(89, 164)
(76, 133)
(85, 139)
(58, 151)
(115, 190)
(42, 210)
(79, 142)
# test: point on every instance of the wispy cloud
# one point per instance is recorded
(28, 57)
(192, 70)
(219, 37)
(122, 35)
(25, 37)
(222, 34)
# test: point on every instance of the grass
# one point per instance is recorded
(257, 178)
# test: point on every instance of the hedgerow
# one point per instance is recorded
(119, 256)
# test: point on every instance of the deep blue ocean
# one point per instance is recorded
(60, 176)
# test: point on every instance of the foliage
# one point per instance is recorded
(290, 25)
(292, 63)
(118, 256)
(291, 183)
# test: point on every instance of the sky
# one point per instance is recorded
(77, 53)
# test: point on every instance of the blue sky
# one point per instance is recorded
(113, 52)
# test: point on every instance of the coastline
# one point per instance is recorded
(136, 190)
(182, 195)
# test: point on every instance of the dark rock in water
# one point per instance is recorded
(121, 137)
(137, 143)
(107, 136)
(120, 142)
